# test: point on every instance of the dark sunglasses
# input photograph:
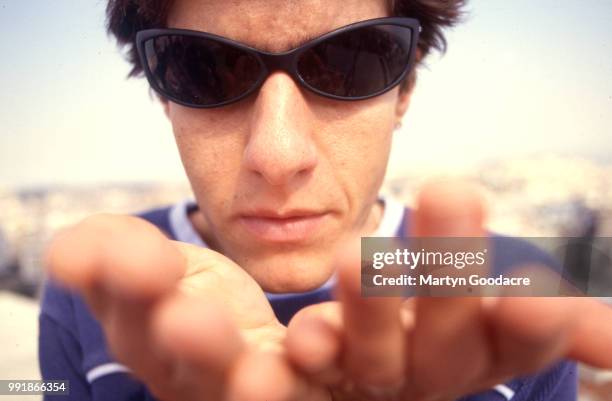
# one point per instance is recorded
(355, 62)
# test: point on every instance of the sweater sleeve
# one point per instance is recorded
(71, 347)
(59, 359)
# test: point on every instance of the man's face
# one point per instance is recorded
(282, 176)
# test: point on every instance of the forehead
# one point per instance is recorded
(272, 25)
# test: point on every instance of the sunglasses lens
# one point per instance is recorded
(200, 71)
(358, 63)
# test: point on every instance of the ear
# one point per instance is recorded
(403, 102)
(405, 94)
(166, 105)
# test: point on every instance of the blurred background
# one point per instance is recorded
(521, 103)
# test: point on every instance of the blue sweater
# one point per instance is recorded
(72, 344)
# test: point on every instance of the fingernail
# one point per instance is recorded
(489, 303)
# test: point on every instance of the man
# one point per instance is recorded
(285, 152)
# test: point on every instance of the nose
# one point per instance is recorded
(280, 145)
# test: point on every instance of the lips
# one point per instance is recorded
(293, 226)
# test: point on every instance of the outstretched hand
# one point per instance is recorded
(430, 348)
(187, 321)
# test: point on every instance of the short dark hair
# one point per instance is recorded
(126, 17)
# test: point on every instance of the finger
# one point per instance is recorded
(448, 331)
(450, 217)
(590, 339)
(72, 257)
(314, 342)
(122, 265)
(122, 254)
(314, 339)
(214, 361)
(139, 261)
(373, 333)
(127, 328)
(522, 346)
(259, 376)
(201, 340)
(407, 314)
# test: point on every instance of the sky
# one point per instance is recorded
(520, 77)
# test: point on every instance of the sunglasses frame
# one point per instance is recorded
(285, 61)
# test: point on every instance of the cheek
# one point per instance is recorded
(359, 147)
(366, 166)
(210, 150)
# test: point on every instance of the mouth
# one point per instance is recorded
(290, 227)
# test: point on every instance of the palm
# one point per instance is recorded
(215, 277)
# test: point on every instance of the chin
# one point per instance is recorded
(289, 273)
